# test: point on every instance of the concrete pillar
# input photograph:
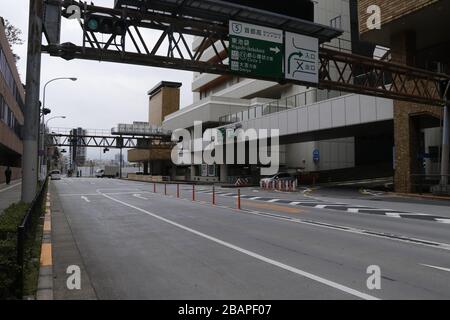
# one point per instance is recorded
(192, 172)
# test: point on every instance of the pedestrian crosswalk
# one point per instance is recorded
(337, 206)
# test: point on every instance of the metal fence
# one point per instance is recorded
(26, 233)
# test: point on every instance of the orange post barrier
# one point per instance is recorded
(239, 199)
(214, 196)
(178, 190)
(193, 192)
(154, 187)
(165, 189)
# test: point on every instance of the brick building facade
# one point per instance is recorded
(416, 33)
(12, 98)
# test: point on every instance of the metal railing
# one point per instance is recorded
(298, 100)
(26, 232)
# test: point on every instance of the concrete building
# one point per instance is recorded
(77, 153)
(417, 33)
(311, 121)
(164, 99)
(12, 97)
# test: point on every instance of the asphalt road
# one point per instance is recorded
(136, 244)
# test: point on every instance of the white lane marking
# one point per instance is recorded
(85, 199)
(137, 195)
(393, 214)
(273, 200)
(417, 241)
(254, 198)
(353, 210)
(305, 274)
(435, 267)
(294, 203)
(78, 194)
(13, 186)
(443, 220)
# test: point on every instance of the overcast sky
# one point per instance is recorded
(106, 93)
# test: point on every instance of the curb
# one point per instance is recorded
(415, 195)
(45, 281)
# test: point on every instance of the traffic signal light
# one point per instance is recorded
(105, 150)
(105, 24)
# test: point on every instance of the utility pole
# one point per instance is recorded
(31, 112)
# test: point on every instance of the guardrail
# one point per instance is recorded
(25, 232)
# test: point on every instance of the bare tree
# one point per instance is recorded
(13, 35)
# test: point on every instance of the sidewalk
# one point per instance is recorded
(9, 194)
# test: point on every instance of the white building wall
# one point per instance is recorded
(334, 154)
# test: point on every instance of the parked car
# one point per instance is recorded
(281, 176)
(55, 175)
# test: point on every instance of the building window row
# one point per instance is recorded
(7, 116)
(8, 76)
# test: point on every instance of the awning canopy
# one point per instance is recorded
(223, 12)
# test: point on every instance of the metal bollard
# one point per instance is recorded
(214, 196)
(154, 187)
(178, 190)
(239, 199)
(165, 189)
(193, 192)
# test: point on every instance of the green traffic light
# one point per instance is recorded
(93, 24)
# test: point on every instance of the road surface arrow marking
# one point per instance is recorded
(85, 199)
(137, 195)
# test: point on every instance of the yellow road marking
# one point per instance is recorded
(271, 207)
(47, 225)
(46, 254)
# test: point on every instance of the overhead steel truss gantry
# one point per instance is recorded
(208, 20)
(110, 142)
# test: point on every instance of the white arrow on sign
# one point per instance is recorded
(276, 50)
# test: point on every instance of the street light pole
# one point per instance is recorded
(42, 127)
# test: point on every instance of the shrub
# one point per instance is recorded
(11, 218)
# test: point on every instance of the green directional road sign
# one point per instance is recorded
(256, 50)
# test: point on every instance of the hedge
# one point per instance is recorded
(10, 219)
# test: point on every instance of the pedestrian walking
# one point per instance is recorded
(8, 173)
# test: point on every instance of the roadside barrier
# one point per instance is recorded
(239, 199)
(280, 185)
